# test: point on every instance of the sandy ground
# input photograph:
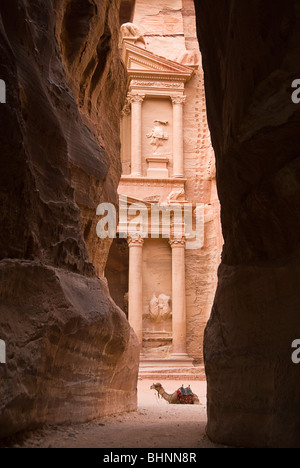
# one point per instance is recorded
(156, 424)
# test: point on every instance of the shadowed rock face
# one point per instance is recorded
(71, 354)
(251, 56)
(126, 11)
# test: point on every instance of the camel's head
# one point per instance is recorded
(156, 386)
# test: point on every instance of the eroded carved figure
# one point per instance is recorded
(130, 30)
(160, 309)
(176, 195)
(158, 135)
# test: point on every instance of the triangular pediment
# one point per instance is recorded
(129, 201)
(140, 60)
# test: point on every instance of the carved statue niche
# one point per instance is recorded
(158, 135)
(160, 309)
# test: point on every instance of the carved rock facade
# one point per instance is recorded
(168, 164)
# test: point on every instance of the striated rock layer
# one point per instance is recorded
(68, 345)
(250, 57)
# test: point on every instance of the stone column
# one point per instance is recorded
(136, 133)
(178, 297)
(135, 300)
(178, 155)
(126, 143)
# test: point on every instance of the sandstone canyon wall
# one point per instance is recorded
(251, 56)
(71, 355)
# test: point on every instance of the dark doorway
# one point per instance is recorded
(116, 272)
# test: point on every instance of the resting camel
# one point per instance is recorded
(172, 399)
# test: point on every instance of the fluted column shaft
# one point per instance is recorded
(178, 296)
(136, 133)
(178, 135)
(135, 305)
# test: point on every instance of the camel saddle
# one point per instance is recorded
(185, 396)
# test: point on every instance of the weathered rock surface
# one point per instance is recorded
(68, 345)
(250, 57)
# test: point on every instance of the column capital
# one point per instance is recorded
(178, 99)
(135, 97)
(137, 241)
(177, 242)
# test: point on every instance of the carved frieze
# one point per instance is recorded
(157, 84)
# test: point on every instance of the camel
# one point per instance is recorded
(172, 399)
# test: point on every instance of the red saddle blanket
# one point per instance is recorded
(185, 396)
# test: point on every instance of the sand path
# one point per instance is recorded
(156, 424)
